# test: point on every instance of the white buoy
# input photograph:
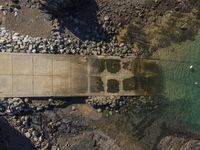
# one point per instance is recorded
(191, 67)
(196, 83)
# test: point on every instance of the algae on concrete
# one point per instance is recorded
(113, 65)
(130, 84)
(97, 85)
(113, 86)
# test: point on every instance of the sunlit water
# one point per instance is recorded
(181, 83)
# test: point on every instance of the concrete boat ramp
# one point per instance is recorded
(38, 75)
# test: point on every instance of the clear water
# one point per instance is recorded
(175, 108)
(179, 80)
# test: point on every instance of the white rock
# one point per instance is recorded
(26, 100)
(15, 13)
(40, 138)
(106, 18)
(99, 110)
(35, 133)
(1, 7)
(73, 108)
(4, 12)
(50, 100)
(27, 134)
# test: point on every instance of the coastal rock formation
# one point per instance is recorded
(175, 143)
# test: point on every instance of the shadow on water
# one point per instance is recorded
(149, 119)
(11, 139)
(149, 76)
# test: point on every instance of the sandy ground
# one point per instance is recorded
(29, 22)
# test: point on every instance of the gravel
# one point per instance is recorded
(43, 127)
(106, 102)
(14, 42)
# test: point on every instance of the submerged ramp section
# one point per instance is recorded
(36, 75)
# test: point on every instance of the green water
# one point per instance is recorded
(179, 80)
(175, 106)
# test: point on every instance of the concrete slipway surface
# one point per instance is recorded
(38, 75)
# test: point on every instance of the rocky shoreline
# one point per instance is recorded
(14, 42)
(41, 124)
(45, 122)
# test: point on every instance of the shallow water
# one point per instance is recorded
(179, 80)
(175, 106)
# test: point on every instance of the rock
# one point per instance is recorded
(99, 110)
(26, 100)
(50, 100)
(20, 43)
(35, 133)
(54, 148)
(73, 108)
(41, 139)
(27, 134)
(106, 18)
(1, 7)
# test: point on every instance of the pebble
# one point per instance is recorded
(50, 100)
(35, 133)
(99, 110)
(106, 18)
(73, 108)
(41, 139)
(15, 42)
(27, 134)
(112, 102)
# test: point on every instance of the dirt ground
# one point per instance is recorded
(29, 22)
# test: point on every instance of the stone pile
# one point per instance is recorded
(13, 106)
(41, 127)
(106, 102)
(15, 42)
